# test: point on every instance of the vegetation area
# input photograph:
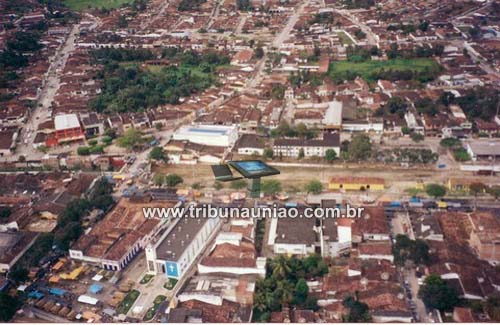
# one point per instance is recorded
(78, 5)
(127, 302)
(359, 148)
(289, 131)
(156, 304)
(157, 153)
(358, 311)
(436, 294)
(455, 146)
(406, 249)
(358, 4)
(128, 87)
(171, 180)
(408, 155)
(270, 187)
(15, 55)
(146, 278)
(419, 69)
(8, 306)
(188, 5)
(285, 284)
(170, 284)
(435, 190)
(314, 187)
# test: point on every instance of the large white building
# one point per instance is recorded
(180, 245)
(209, 135)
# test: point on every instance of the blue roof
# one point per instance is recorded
(35, 294)
(57, 291)
(95, 288)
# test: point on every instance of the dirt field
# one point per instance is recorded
(397, 180)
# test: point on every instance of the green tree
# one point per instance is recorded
(83, 151)
(159, 179)
(268, 153)
(330, 155)
(173, 180)
(475, 189)
(436, 294)
(239, 184)
(461, 154)
(19, 274)
(157, 153)
(301, 291)
(314, 187)
(271, 186)
(360, 147)
(280, 267)
(132, 139)
(5, 213)
(8, 306)
(435, 190)
(358, 311)
(494, 191)
(416, 137)
(301, 153)
(218, 186)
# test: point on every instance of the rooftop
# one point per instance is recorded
(66, 121)
(179, 237)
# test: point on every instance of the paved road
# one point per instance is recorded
(51, 85)
(371, 37)
(285, 32)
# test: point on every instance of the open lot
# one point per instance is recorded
(85, 4)
(366, 69)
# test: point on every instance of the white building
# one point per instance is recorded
(313, 147)
(180, 245)
(209, 135)
(333, 114)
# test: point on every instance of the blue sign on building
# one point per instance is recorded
(172, 270)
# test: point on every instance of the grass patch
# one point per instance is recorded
(156, 304)
(127, 302)
(170, 284)
(145, 279)
(344, 39)
(369, 70)
(86, 4)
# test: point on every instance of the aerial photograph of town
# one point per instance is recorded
(249, 161)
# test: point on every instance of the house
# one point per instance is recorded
(485, 236)
(290, 236)
(371, 226)
(250, 144)
(121, 234)
(243, 57)
(356, 183)
(377, 250)
(463, 315)
(233, 254)
(12, 247)
(309, 147)
(484, 150)
(7, 142)
(68, 128)
(91, 124)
